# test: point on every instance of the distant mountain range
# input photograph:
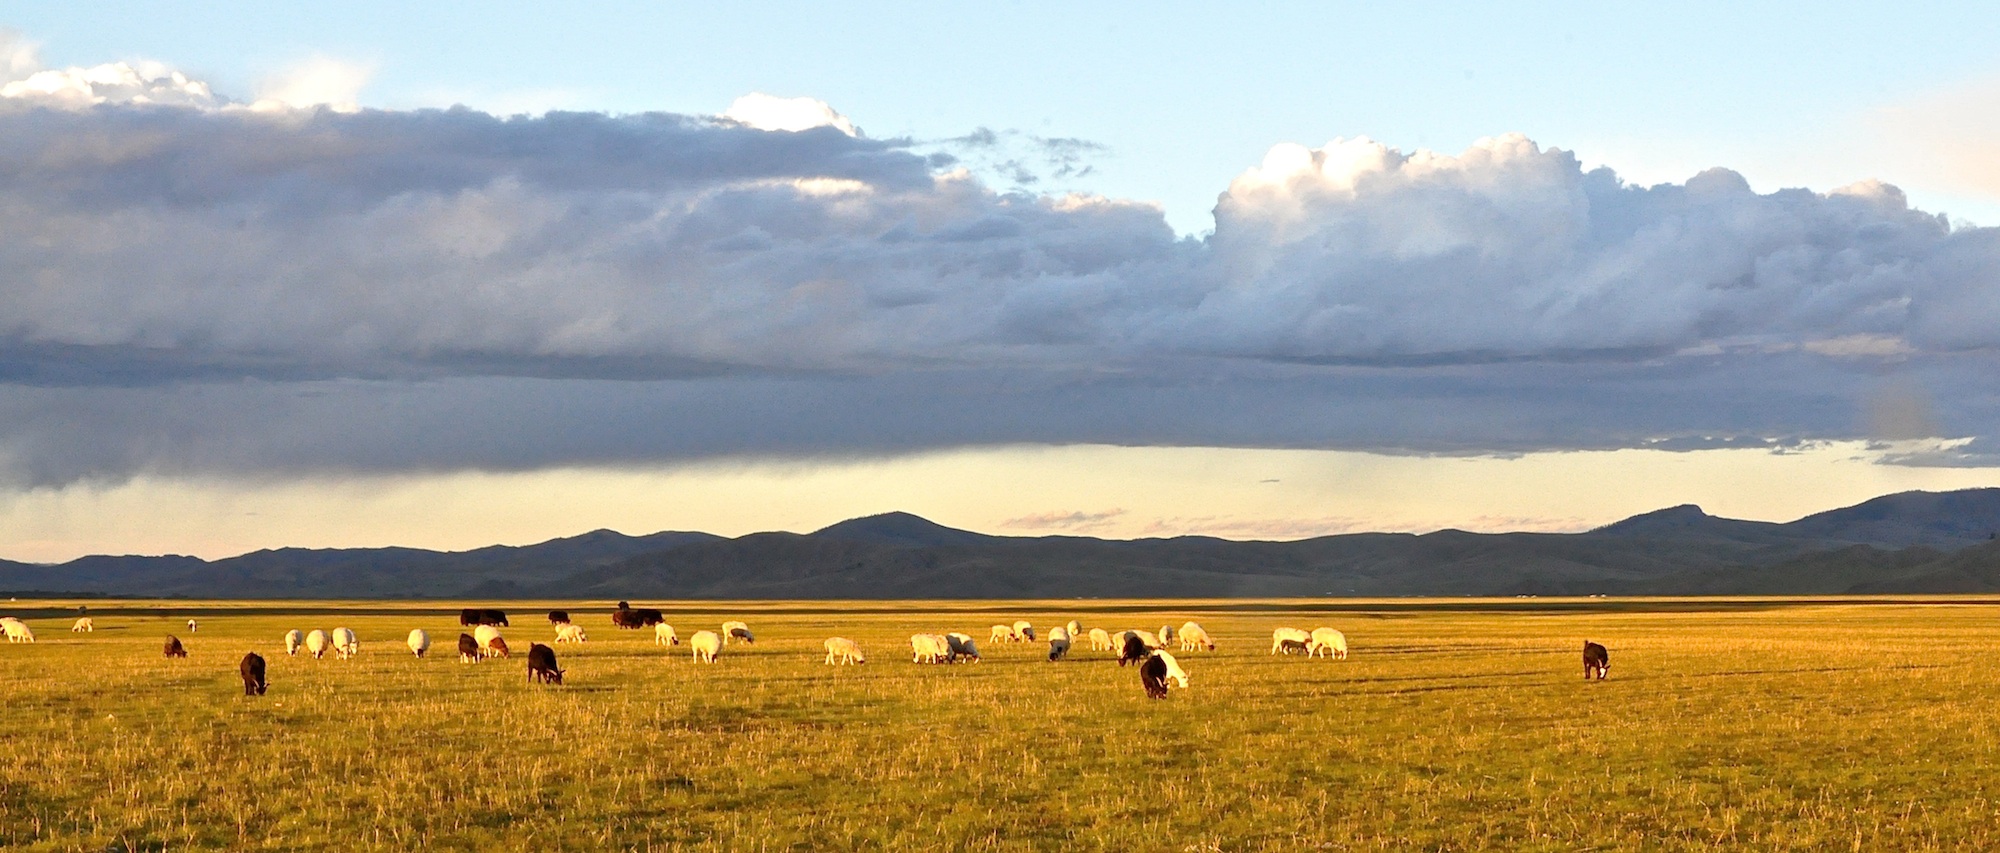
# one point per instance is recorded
(1915, 542)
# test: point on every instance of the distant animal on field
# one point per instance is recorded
(345, 644)
(1158, 669)
(1074, 628)
(1167, 636)
(1100, 640)
(293, 640)
(1058, 642)
(628, 618)
(252, 670)
(559, 617)
(471, 616)
(705, 644)
(192, 626)
(734, 630)
(468, 649)
(1194, 637)
(1023, 631)
(961, 646)
(1596, 661)
(929, 648)
(419, 642)
(16, 630)
(663, 635)
(1151, 639)
(1289, 640)
(486, 634)
(317, 643)
(83, 625)
(542, 664)
(567, 633)
(1134, 649)
(840, 650)
(1327, 640)
(1004, 634)
(174, 648)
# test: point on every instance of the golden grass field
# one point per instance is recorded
(1454, 725)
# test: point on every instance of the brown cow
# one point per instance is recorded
(1596, 661)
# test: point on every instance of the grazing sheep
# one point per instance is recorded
(1133, 649)
(468, 649)
(174, 648)
(705, 644)
(1100, 640)
(1330, 641)
(1193, 637)
(734, 630)
(317, 643)
(16, 630)
(1058, 642)
(252, 670)
(1174, 670)
(293, 640)
(558, 617)
(498, 648)
(83, 625)
(929, 648)
(1023, 631)
(1167, 636)
(486, 634)
(1074, 628)
(1152, 641)
(1596, 661)
(345, 644)
(663, 635)
(542, 664)
(567, 633)
(191, 626)
(419, 642)
(961, 646)
(1153, 677)
(1003, 634)
(844, 650)
(1288, 640)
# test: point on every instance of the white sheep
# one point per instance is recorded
(317, 643)
(83, 626)
(1285, 639)
(1330, 641)
(1100, 640)
(1174, 670)
(1074, 628)
(191, 626)
(1167, 636)
(1151, 640)
(843, 650)
(419, 642)
(706, 644)
(734, 630)
(1194, 637)
(663, 635)
(1024, 631)
(1058, 642)
(293, 640)
(485, 635)
(928, 648)
(16, 630)
(569, 632)
(1003, 634)
(345, 643)
(961, 646)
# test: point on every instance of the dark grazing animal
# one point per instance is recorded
(252, 669)
(542, 665)
(1596, 661)
(643, 617)
(1153, 676)
(1135, 650)
(174, 647)
(468, 649)
(482, 616)
(558, 617)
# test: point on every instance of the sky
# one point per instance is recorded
(476, 273)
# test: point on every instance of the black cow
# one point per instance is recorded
(1596, 661)
(477, 616)
(1135, 651)
(174, 647)
(468, 649)
(644, 617)
(252, 669)
(1153, 676)
(558, 617)
(542, 665)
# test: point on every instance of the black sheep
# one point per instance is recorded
(542, 665)
(1153, 675)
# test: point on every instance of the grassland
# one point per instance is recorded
(1454, 725)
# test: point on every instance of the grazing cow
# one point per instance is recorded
(663, 635)
(1327, 640)
(734, 630)
(1193, 637)
(843, 650)
(929, 648)
(567, 633)
(498, 648)
(468, 649)
(191, 626)
(1167, 636)
(317, 643)
(252, 670)
(419, 642)
(1596, 661)
(477, 616)
(174, 647)
(961, 646)
(1100, 640)
(486, 634)
(542, 664)
(628, 618)
(345, 644)
(1024, 631)
(1289, 640)
(558, 617)
(1134, 651)
(293, 640)
(16, 630)
(1058, 642)
(83, 625)
(1153, 676)
(1003, 634)
(705, 644)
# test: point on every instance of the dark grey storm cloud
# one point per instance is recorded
(208, 288)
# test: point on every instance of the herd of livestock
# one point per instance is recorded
(1145, 649)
